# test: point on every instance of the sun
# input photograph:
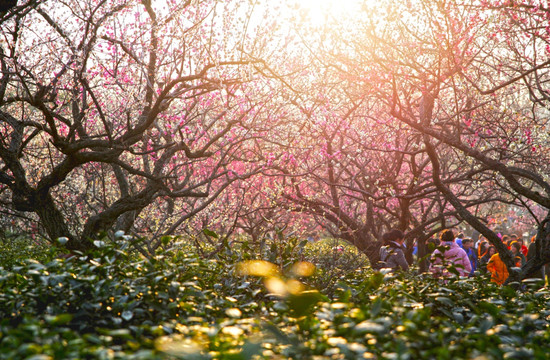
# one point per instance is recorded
(319, 12)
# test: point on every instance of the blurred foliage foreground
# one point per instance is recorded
(287, 299)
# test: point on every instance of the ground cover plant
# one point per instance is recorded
(113, 303)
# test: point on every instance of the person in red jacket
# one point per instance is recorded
(524, 250)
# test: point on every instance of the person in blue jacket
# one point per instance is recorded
(467, 245)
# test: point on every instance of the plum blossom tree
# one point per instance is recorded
(125, 115)
(248, 212)
(361, 177)
(345, 161)
(469, 79)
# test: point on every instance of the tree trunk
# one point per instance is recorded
(54, 223)
(370, 248)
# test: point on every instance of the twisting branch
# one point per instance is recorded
(502, 249)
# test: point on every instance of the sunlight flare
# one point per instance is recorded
(319, 12)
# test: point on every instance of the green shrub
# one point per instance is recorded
(336, 261)
(113, 303)
(15, 248)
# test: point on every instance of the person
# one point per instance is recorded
(482, 247)
(515, 247)
(454, 254)
(459, 238)
(491, 250)
(472, 256)
(392, 254)
(524, 250)
(498, 270)
(506, 240)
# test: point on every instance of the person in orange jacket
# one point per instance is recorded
(499, 271)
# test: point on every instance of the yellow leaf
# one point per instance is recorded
(258, 268)
(276, 286)
(303, 268)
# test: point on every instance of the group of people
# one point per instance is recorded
(455, 254)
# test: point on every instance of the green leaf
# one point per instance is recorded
(234, 313)
(445, 300)
(280, 336)
(280, 231)
(121, 333)
(376, 307)
(99, 243)
(165, 240)
(39, 357)
(458, 317)
(508, 291)
(61, 319)
(452, 269)
(210, 233)
(303, 303)
(486, 324)
(486, 307)
(63, 240)
(127, 315)
(369, 327)
(374, 282)
(251, 350)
